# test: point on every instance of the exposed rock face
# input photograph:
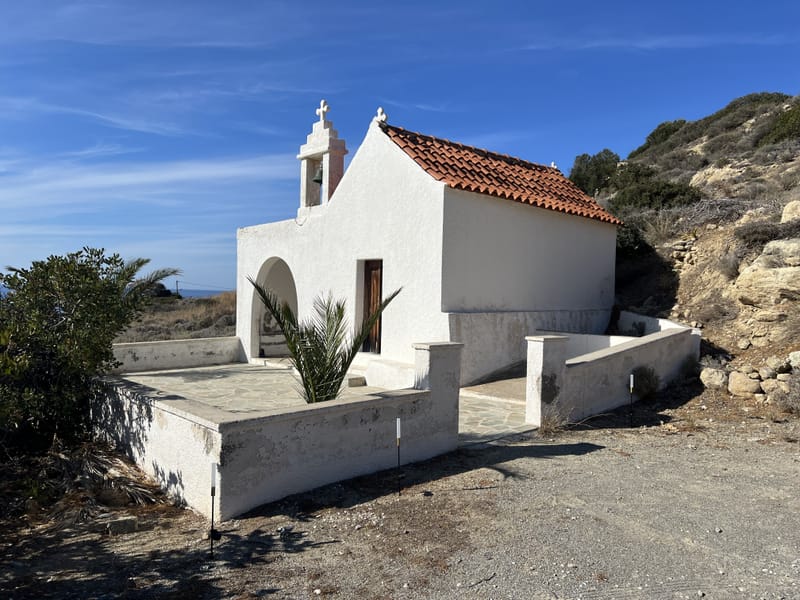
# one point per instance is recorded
(773, 277)
(713, 378)
(791, 211)
(740, 384)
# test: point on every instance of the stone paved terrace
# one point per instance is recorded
(486, 412)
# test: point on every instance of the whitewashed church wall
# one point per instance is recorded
(384, 208)
(500, 255)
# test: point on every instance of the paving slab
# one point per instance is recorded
(486, 412)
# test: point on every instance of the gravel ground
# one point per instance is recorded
(651, 512)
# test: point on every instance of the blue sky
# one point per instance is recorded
(156, 129)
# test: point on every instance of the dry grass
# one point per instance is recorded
(789, 401)
(174, 319)
(555, 419)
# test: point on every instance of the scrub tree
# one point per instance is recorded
(58, 321)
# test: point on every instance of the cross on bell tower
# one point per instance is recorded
(321, 161)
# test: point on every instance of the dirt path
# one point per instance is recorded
(653, 512)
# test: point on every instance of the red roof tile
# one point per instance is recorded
(475, 170)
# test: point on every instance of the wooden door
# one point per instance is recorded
(373, 292)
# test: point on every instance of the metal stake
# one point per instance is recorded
(213, 493)
(630, 405)
(398, 456)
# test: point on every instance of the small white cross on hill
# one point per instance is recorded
(322, 110)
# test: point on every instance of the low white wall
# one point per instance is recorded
(170, 443)
(178, 354)
(496, 340)
(631, 323)
(591, 383)
(284, 452)
(578, 343)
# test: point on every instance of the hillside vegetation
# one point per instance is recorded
(712, 235)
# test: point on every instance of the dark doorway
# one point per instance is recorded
(373, 292)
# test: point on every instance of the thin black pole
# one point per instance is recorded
(211, 536)
(630, 403)
(213, 493)
(398, 456)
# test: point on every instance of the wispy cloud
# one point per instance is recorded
(101, 150)
(69, 187)
(22, 107)
(151, 23)
(423, 106)
(660, 42)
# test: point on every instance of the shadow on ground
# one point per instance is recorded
(86, 567)
(77, 563)
(645, 413)
(364, 489)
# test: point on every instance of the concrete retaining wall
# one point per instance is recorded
(578, 344)
(574, 388)
(165, 437)
(495, 340)
(275, 454)
(178, 354)
(635, 324)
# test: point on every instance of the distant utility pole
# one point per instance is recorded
(177, 293)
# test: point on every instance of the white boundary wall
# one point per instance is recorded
(177, 354)
(584, 385)
(276, 454)
(631, 322)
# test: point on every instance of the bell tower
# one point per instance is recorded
(321, 162)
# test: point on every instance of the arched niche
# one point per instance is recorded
(266, 338)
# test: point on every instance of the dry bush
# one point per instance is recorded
(715, 311)
(646, 382)
(757, 234)
(661, 226)
(555, 419)
(789, 402)
(175, 318)
(728, 265)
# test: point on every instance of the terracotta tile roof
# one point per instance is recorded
(475, 170)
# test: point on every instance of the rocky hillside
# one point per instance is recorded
(724, 256)
(748, 150)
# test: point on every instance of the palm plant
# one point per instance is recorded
(320, 348)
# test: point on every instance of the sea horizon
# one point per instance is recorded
(190, 293)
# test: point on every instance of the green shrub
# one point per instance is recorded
(646, 382)
(659, 135)
(631, 242)
(785, 126)
(58, 320)
(655, 194)
(593, 173)
(757, 234)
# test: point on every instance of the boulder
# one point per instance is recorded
(740, 384)
(780, 365)
(770, 386)
(773, 277)
(791, 211)
(713, 378)
(794, 360)
(767, 373)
